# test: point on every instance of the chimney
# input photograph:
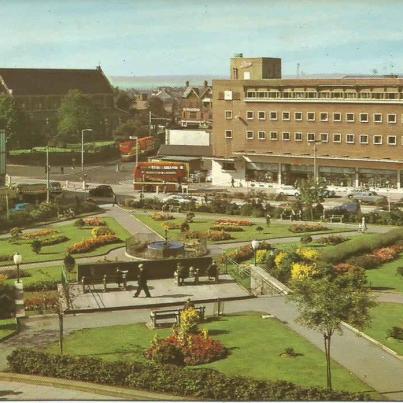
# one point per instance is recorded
(205, 84)
(187, 84)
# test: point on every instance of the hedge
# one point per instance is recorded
(360, 245)
(203, 383)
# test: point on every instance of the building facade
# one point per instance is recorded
(196, 107)
(39, 92)
(272, 131)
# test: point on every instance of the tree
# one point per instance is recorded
(157, 107)
(36, 246)
(311, 192)
(327, 300)
(122, 99)
(69, 262)
(76, 112)
(131, 128)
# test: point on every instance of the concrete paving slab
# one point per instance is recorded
(164, 292)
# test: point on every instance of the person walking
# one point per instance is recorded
(142, 282)
(232, 182)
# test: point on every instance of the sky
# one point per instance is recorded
(178, 37)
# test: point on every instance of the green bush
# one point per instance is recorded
(306, 239)
(7, 303)
(54, 240)
(360, 245)
(396, 332)
(365, 261)
(44, 285)
(203, 384)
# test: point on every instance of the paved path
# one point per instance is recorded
(25, 391)
(394, 297)
(370, 363)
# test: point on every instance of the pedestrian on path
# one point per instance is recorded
(142, 283)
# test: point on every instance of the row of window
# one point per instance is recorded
(325, 94)
(322, 116)
(323, 137)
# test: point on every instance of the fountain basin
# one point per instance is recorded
(161, 249)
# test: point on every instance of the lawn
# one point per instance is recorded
(385, 277)
(7, 327)
(384, 317)
(203, 223)
(39, 275)
(255, 345)
(55, 252)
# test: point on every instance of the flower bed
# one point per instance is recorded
(162, 216)
(103, 230)
(241, 254)
(218, 235)
(298, 228)
(171, 225)
(42, 301)
(332, 239)
(94, 222)
(226, 227)
(46, 232)
(54, 240)
(228, 221)
(90, 244)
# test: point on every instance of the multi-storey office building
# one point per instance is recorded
(272, 130)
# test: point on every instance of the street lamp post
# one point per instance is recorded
(17, 260)
(47, 175)
(82, 148)
(315, 168)
(255, 245)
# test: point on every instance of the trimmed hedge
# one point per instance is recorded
(360, 245)
(200, 383)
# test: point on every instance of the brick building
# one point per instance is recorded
(39, 92)
(196, 107)
(270, 131)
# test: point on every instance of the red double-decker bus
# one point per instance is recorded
(166, 176)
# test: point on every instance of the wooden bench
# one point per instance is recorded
(157, 316)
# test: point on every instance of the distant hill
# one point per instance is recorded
(151, 82)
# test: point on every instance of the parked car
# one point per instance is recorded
(366, 196)
(55, 187)
(288, 191)
(345, 208)
(328, 193)
(178, 199)
(19, 207)
(102, 194)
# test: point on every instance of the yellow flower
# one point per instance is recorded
(300, 271)
(261, 256)
(279, 259)
(308, 253)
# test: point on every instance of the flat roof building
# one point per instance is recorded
(267, 130)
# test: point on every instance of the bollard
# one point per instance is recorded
(197, 276)
(83, 283)
(105, 283)
(124, 281)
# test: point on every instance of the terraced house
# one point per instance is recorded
(271, 131)
(39, 93)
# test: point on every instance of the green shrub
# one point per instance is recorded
(44, 285)
(201, 383)
(79, 222)
(306, 239)
(360, 245)
(54, 240)
(365, 261)
(396, 332)
(331, 239)
(36, 246)
(7, 302)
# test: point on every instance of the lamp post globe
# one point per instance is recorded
(17, 260)
(255, 245)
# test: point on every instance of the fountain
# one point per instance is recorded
(164, 249)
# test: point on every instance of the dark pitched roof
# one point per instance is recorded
(54, 81)
(187, 151)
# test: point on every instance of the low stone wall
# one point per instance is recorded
(262, 283)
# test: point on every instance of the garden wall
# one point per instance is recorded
(156, 269)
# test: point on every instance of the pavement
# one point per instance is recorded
(164, 292)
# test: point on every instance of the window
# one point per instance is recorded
(392, 118)
(363, 117)
(228, 115)
(228, 166)
(310, 116)
(311, 137)
(246, 75)
(261, 115)
(363, 139)
(249, 115)
(261, 135)
(286, 115)
(377, 140)
(273, 115)
(377, 117)
(286, 136)
(298, 115)
(350, 138)
(273, 136)
(336, 117)
(392, 141)
(227, 95)
(336, 138)
(350, 117)
(249, 135)
(324, 116)
(298, 136)
(324, 137)
(228, 134)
